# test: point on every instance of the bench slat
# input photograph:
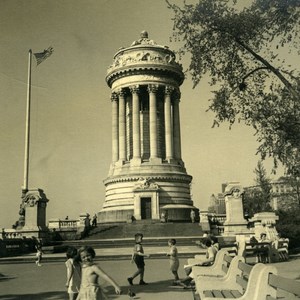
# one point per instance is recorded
(228, 258)
(231, 294)
(286, 284)
(208, 294)
(236, 294)
(245, 268)
(242, 282)
(217, 294)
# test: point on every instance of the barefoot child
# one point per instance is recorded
(90, 289)
(174, 261)
(73, 273)
(138, 258)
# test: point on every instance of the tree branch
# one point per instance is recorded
(270, 67)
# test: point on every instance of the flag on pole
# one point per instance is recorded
(40, 57)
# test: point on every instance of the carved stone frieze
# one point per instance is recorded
(125, 59)
(234, 189)
(146, 184)
(33, 197)
(176, 178)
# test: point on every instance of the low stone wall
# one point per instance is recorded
(12, 247)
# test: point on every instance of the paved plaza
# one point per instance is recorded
(22, 279)
(27, 281)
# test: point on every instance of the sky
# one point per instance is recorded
(70, 138)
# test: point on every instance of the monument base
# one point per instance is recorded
(235, 229)
(35, 233)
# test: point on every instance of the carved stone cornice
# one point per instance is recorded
(142, 70)
(158, 178)
(33, 197)
(234, 189)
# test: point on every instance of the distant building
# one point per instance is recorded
(217, 204)
(284, 193)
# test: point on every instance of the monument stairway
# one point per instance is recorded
(155, 234)
(147, 228)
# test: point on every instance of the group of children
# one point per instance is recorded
(83, 274)
(210, 243)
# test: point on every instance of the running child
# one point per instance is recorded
(39, 254)
(138, 258)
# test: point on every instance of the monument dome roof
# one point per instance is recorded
(144, 56)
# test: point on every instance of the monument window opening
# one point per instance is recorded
(146, 208)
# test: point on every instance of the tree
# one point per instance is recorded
(244, 53)
(258, 198)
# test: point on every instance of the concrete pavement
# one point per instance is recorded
(20, 278)
(27, 281)
(111, 253)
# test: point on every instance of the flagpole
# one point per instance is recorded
(27, 126)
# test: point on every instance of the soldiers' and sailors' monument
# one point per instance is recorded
(147, 175)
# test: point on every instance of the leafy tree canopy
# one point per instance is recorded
(244, 52)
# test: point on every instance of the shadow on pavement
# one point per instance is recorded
(5, 278)
(48, 295)
(156, 287)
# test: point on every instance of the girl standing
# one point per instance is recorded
(73, 273)
(174, 261)
(90, 288)
(39, 254)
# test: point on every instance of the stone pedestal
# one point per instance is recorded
(264, 222)
(204, 223)
(235, 223)
(34, 203)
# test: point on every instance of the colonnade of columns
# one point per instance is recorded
(171, 122)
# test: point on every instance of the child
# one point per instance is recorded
(138, 258)
(210, 256)
(174, 261)
(39, 254)
(90, 289)
(73, 273)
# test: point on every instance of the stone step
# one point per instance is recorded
(156, 229)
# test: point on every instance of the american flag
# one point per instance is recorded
(40, 57)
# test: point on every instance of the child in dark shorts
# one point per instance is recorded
(138, 259)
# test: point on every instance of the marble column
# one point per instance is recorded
(176, 124)
(152, 89)
(122, 126)
(168, 123)
(136, 122)
(115, 127)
